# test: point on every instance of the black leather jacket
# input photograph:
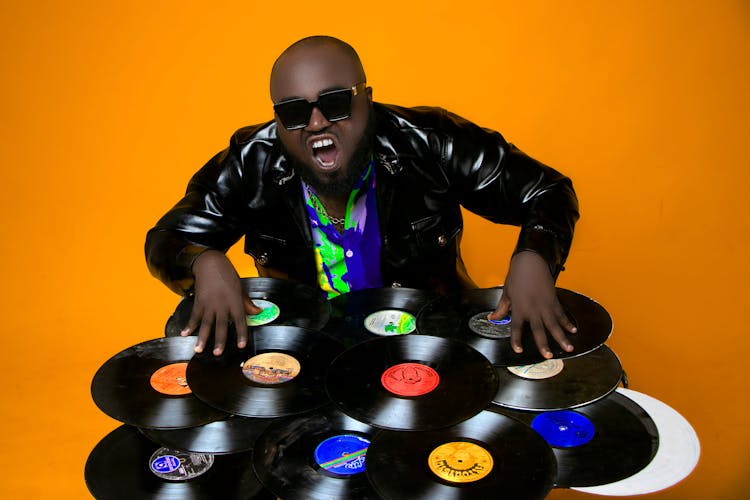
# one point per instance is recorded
(429, 162)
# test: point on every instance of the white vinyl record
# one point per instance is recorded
(676, 457)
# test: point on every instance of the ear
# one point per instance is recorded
(369, 94)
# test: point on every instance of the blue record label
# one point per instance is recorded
(343, 454)
(165, 464)
(564, 429)
(502, 321)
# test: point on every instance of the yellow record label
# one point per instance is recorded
(271, 368)
(460, 462)
(538, 371)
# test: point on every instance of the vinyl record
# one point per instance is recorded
(282, 374)
(488, 456)
(557, 384)
(412, 382)
(283, 303)
(316, 455)
(125, 465)
(463, 316)
(375, 312)
(145, 386)
(234, 434)
(677, 456)
(595, 444)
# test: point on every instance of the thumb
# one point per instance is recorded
(250, 307)
(502, 309)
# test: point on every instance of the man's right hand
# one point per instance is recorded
(219, 299)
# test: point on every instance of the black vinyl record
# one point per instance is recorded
(296, 304)
(145, 386)
(599, 443)
(375, 312)
(489, 456)
(316, 455)
(463, 316)
(126, 466)
(558, 384)
(412, 382)
(234, 434)
(281, 374)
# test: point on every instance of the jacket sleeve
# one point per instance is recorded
(497, 181)
(209, 216)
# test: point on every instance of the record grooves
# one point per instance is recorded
(375, 312)
(582, 380)
(450, 382)
(128, 387)
(120, 466)
(248, 382)
(487, 456)
(295, 304)
(231, 435)
(623, 440)
(289, 457)
(462, 316)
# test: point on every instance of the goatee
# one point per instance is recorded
(340, 183)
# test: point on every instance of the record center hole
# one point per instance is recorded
(562, 428)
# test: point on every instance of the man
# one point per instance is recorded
(345, 193)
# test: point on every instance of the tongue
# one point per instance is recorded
(326, 155)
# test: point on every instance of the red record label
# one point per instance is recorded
(410, 379)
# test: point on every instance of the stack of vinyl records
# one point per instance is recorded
(381, 393)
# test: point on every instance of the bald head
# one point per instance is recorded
(313, 57)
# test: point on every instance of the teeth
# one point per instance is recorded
(322, 143)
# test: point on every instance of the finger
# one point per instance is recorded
(565, 322)
(204, 332)
(193, 322)
(220, 335)
(250, 307)
(558, 334)
(540, 338)
(516, 331)
(502, 309)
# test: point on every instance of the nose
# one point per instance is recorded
(318, 121)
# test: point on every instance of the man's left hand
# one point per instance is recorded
(529, 291)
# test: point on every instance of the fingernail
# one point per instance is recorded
(198, 348)
(547, 354)
(217, 351)
(241, 344)
(185, 332)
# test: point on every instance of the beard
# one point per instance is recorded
(340, 183)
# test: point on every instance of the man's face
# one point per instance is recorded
(324, 150)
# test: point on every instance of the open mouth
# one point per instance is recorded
(325, 152)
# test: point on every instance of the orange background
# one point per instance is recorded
(109, 108)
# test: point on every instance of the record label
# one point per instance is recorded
(271, 368)
(269, 313)
(490, 329)
(538, 371)
(342, 454)
(171, 379)
(410, 379)
(564, 429)
(460, 462)
(174, 465)
(390, 322)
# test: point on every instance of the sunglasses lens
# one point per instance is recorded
(336, 105)
(294, 114)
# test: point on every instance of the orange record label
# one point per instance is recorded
(410, 379)
(270, 368)
(538, 371)
(460, 462)
(171, 379)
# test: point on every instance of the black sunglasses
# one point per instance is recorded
(335, 105)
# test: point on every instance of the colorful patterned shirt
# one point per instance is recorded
(348, 261)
